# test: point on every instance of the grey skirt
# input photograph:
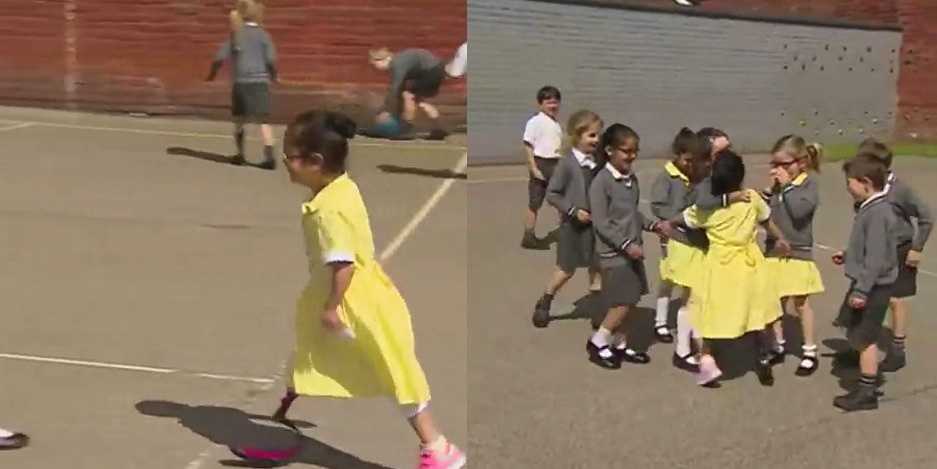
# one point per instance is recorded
(575, 245)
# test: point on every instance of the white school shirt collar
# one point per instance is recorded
(586, 161)
(618, 176)
(873, 198)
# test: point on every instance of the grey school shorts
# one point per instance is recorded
(251, 102)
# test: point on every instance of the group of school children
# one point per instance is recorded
(707, 223)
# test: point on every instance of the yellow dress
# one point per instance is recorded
(796, 277)
(380, 359)
(736, 293)
(681, 265)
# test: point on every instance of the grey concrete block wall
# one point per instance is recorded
(658, 71)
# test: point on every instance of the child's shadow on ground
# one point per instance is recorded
(206, 156)
(226, 426)
(435, 173)
(639, 323)
(848, 376)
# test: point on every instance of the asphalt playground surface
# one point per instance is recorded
(147, 294)
(535, 400)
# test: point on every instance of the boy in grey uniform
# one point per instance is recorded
(415, 75)
(907, 205)
(871, 265)
(254, 57)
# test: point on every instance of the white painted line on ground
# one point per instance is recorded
(126, 367)
(174, 133)
(421, 214)
(21, 125)
(384, 256)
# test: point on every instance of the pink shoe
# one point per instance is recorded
(454, 460)
(708, 373)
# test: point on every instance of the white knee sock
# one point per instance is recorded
(661, 310)
(684, 332)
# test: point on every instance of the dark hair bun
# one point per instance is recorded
(341, 124)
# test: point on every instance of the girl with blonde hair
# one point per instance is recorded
(254, 66)
(794, 197)
(568, 191)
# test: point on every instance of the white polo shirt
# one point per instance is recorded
(545, 135)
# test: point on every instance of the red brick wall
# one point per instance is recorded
(153, 55)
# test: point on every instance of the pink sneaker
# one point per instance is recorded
(454, 460)
(708, 373)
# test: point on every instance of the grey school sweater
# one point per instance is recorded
(870, 255)
(793, 207)
(568, 189)
(253, 54)
(670, 195)
(617, 220)
(908, 205)
(406, 65)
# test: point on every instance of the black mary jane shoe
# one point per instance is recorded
(684, 364)
(612, 362)
(811, 363)
(777, 357)
(14, 441)
(764, 372)
(632, 356)
(663, 335)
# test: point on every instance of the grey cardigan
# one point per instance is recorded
(567, 190)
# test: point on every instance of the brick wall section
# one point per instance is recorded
(152, 55)
(917, 78)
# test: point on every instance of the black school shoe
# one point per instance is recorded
(861, 399)
(530, 241)
(893, 362)
(613, 362)
(663, 335)
(238, 160)
(777, 356)
(764, 372)
(437, 134)
(14, 441)
(631, 356)
(811, 368)
(683, 364)
(541, 317)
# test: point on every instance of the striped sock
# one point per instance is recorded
(867, 382)
(897, 343)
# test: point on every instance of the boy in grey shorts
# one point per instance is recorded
(254, 66)
(870, 263)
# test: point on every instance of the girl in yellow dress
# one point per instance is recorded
(353, 330)
(682, 254)
(735, 294)
(793, 199)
